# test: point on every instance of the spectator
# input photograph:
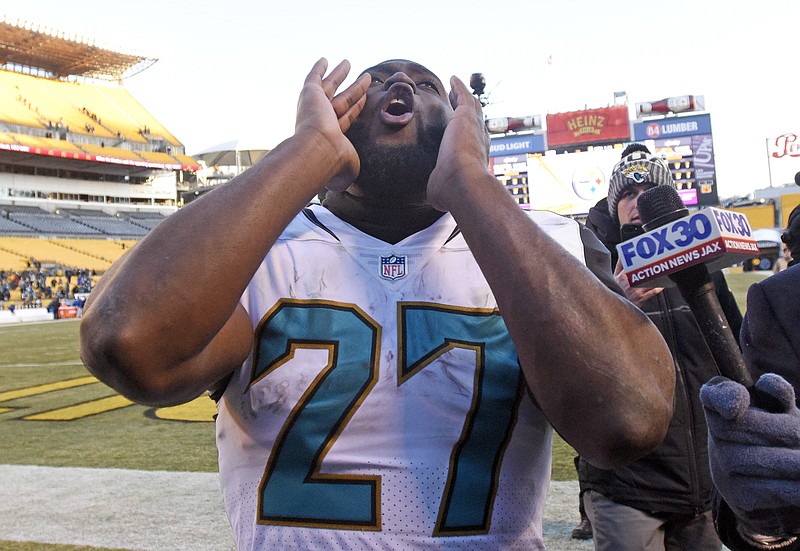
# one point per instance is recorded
(53, 307)
(783, 261)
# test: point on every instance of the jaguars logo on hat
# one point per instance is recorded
(638, 173)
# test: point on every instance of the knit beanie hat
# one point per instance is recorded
(638, 166)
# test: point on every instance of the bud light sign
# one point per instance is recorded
(716, 237)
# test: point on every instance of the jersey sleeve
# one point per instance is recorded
(579, 240)
(598, 259)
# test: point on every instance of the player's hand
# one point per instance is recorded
(754, 452)
(324, 116)
(637, 295)
(464, 152)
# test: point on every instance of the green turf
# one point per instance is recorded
(131, 437)
(739, 282)
(35, 354)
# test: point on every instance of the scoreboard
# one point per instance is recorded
(686, 145)
(570, 181)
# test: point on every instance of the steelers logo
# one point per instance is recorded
(589, 183)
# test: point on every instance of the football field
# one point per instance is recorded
(81, 467)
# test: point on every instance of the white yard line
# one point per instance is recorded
(163, 511)
(147, 510)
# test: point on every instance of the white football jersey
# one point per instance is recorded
(383, 406)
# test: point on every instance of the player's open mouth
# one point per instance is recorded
(399, 107)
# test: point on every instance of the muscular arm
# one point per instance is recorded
(596, 365)
(164, 324)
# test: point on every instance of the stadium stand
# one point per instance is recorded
(8, 209)
(113, 226)
(49, 252)
(142, 215)
(81, 212)
(9, 227)
(37, 142)
(184, 159)
(157, 157)
(106, 250)
(55, 91)
(145, 220)
(114, 152)
(11, 261)
(113, 119)
(85, 170)
(51, 224)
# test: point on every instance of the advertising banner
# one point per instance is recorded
(686, 145)
(672, 127)
(514, 145)
(588, 126)
(784, 158)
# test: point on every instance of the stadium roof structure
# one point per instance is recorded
(62, 55)
(241, 153)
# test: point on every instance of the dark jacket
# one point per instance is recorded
(675, 478)
(770, 338)
(770, 344)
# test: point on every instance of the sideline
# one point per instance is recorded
(164, 511)
(24, 315)
(117, 508)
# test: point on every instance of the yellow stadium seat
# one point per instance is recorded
(113, 152)
(49, 251)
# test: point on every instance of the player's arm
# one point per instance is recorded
(165, 324)
(598, 368)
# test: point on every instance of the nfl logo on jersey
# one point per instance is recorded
(393, 267)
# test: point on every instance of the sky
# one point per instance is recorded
(232, 70)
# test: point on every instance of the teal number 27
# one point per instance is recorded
(293, 491)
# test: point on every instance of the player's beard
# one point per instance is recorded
(397, 173)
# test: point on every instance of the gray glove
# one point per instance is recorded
(754, 453)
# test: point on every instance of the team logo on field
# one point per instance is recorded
(393, 267)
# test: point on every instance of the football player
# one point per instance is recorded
(390, 365)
